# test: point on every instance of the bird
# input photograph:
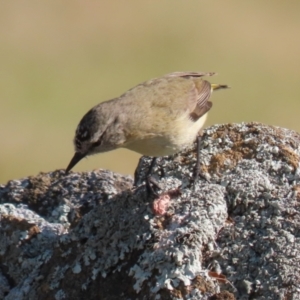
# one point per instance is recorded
(158, 117)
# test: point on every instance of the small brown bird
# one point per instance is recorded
(159, 117)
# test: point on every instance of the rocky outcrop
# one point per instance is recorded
(235, 234)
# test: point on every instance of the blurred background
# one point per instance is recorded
(60, 58)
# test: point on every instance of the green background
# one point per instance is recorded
(60, 58)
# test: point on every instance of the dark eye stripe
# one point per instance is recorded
(78, 144)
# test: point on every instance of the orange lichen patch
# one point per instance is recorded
(224, 295)
(230, 131)
(227, 131)
(20, 224)
(289, 156)
(228, 159)
(225, 160)
(202, 284)
(247, 150)
(176, 293)
(241, 149)
(38, 186)
(296, 188)
(198, 282)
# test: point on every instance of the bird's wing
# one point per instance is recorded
(198, 102)
(190, 74)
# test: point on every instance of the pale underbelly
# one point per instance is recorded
(180, 136)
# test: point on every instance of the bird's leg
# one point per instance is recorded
(150, 180)
(198, 159)
(137, 179)
(197, 169)
(198, 173)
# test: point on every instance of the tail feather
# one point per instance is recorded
(216, 86)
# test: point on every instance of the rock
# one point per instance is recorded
(93, 235)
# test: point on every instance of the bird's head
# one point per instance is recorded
(88, 138)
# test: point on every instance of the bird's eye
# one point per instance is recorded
(78, 144)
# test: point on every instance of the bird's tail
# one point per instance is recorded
(215, 86)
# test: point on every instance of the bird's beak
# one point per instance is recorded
(76, 158)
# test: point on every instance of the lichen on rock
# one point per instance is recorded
(93, 235)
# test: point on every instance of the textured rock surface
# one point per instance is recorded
(94, 236)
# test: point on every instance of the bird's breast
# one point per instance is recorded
(168, 140)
